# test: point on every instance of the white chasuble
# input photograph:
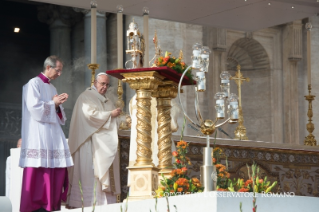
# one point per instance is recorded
(93, 133)
(44, 143)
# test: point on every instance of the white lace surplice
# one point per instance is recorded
(43, 141)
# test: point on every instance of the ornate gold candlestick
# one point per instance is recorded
(240, 132)
(164, 94)
(310, 139)
(93, 67)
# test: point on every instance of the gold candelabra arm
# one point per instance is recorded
(93, 67)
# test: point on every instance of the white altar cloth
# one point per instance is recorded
(216, 202)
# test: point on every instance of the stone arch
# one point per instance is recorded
(250, 54)
(256, 95)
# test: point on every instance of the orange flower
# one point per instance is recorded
(182, 144)
(222, 169)
(243, 190)
(178, 161)
(180, 189)
(221, 175)
(218, 166)
(184, 169)
(222, 189)
(261, 181)
(248, 182)
(195, 180)
(182, 182)
(174, 153)
(214, 160)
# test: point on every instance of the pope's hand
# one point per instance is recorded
(116, 112)
(60, 99)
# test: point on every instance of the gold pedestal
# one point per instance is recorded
(143, 175)
(143, 182)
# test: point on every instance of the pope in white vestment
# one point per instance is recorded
(93, 142)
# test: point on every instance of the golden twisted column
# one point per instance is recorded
(164, 132)
(144, 128)
(143, 175)
(144, 83)
(165, 92)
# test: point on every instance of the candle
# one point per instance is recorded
(119, 36)
(93, 32)
(308, 27)
(145, 26)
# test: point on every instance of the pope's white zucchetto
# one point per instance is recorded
(99, 74)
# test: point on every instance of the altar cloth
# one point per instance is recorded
(217, 202)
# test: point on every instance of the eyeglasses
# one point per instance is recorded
(104, 84)
(58, 71)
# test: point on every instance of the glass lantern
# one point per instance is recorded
(200, 81)
(205, 51)
(225, 87)
(220, 105)
(196, 56)
(233, 106)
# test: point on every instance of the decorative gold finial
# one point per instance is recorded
(158, 51)
(93, 67)
(181, 55)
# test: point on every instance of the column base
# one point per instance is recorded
(143, 182)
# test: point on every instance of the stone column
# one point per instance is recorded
(101, 45)
(61, 19)
(292, 53)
